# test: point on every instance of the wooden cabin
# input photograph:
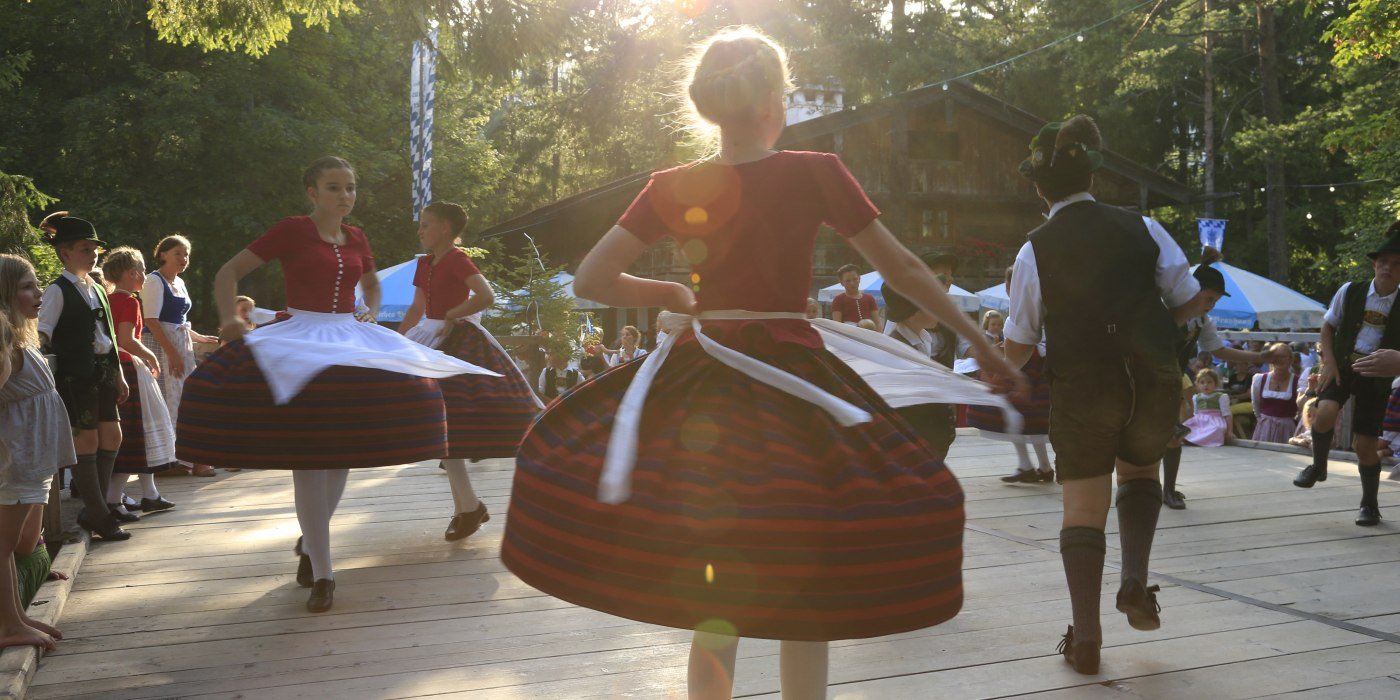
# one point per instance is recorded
(940, 162)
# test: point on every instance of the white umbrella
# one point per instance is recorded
(871, 282)
(994, 298)
(1255, 298)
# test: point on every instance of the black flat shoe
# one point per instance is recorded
(1369, 515)
(109, 531)
(1047, 476)
(304, 574)
(1174, 500)
(1082, 656)
(121, 517)
(1140, 605)
(322, 595)
(1309, 476)
(155, 506)
(464, 524)
(1030, 477)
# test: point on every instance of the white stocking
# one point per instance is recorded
(148, 487)
(803, 667)
(711, 675)
(463, 496)
(317, 491)
(1024, 456)
(114, 488)
(1043, 456)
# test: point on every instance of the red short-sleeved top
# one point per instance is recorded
(444, 284)
(854, 310)
(126, 308)
(748, 230)
(318, 276)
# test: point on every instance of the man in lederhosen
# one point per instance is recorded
(1110, 289)
(1359, 322)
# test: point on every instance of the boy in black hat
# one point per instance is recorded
(75, 322)
(1358, 323)
(1200, 332)
(1110, 289)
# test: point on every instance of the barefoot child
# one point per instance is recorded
(35, 441)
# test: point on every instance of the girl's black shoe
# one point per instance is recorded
(109, 531)
(322, 595)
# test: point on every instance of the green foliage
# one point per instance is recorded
(251, 26)
(1370, 31)
(528, 299)
(18, 195)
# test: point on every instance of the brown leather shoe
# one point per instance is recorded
(322, 595)
(464, 524)
(1083, 656)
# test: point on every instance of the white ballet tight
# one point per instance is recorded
(463, 496)
(1040, 454)
(317, 493)
(148, 487)
(803, 668)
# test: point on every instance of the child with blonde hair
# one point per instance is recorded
(35, 441)
(1211, 420)
(752, 438)
(148, 433)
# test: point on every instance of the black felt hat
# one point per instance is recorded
(1210, 278)
(940, 258)
(897, 308)
(69, 229)
(1050, 160)
(1391, 244)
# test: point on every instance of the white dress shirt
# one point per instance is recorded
(1027, 317)
(51, 307)
(1368, 339)
(1209, 340)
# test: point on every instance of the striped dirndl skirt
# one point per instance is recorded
(752, 512)
(133, 457)
(1035, 410)
(1392, 413)
(347, 417)
(486, 416)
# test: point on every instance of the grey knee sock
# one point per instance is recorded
(106, 466)
(92, 490)
(1082, 549)
(1322, 444)
(1139, 501)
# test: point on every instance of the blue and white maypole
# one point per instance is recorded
(422, 90)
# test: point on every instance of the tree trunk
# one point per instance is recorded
(1208, 120)
(1274, 183)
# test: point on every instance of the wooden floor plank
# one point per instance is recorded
(201, 602)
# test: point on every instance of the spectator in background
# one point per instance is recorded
(629, 350)
(992, 324)
(852, 305)
(1274, 394)
(814, 310)
(557, 379)
(243, 307)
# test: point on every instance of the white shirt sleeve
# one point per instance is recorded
(152, 296)
(1209, 339)
(1333, 317)
(1256, 390)
(50, 308)
(639, 353)
(541, 381)
(1224, 404)
(1174, 280)
(1027, 313)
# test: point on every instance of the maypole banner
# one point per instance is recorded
(1212, 233)
(421, 94)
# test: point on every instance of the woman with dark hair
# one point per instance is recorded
(310, 393)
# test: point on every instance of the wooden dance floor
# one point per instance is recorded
(1267, 590)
